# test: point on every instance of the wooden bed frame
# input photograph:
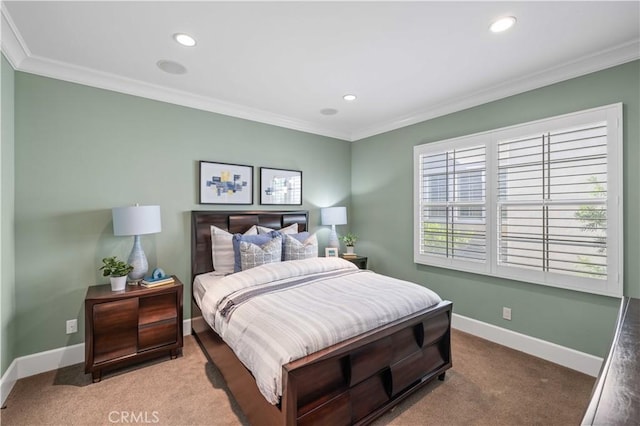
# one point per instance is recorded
(352, 382)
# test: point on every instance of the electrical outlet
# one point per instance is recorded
(72, 326)
(506, 313)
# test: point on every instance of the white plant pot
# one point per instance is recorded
(118, 283)
(350, 249)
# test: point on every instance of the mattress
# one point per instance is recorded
(276, 313)
(200, 284)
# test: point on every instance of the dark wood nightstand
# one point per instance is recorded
(123, 327)
(359, 261)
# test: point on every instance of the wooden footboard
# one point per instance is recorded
(359, 379)
(352, 382)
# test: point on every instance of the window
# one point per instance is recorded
(538, 202)
(453, 194)
(470, 188)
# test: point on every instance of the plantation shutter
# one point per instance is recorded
(453, 204)
(552, 201)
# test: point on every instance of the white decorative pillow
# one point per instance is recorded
(296, 250)
(291, 229)
(252, 255)
(251, 231)
(222, 249)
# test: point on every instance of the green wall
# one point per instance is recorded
(81, 151)
(7, 237)
(382, 193)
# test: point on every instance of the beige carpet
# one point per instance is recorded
(488, 385)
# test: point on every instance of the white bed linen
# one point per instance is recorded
(201, 282)
(273, 329)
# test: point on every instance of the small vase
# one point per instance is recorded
(350, 249)
(118, 283)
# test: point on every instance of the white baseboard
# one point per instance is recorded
(567, 357)
(62, 357)
(9, 379)
(41, 362)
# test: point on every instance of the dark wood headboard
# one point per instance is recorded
(234, 222)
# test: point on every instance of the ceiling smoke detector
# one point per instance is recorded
(171, 67)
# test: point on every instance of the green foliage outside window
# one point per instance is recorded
(594, 219)
(435, 237)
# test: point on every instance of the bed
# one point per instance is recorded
(350, 382)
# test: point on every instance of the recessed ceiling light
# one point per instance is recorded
(328, 111)
(349, 97)
(171, 67)
(184, 39)
(502, 24)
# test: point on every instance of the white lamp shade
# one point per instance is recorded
(136, 220)
(333, 216)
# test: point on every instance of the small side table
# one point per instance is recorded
(359, 261)
(131, 325)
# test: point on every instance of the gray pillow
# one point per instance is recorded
(252, 255)
(259, 240)
(294, 249)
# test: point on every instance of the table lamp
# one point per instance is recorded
(333, 216)
(136, 220)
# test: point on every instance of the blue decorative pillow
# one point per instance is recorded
(252, 255)
(253, 239)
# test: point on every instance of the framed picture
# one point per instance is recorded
(331, 252)
(222, 183)
(278, 186)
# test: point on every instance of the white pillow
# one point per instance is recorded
(222, 249)
(252, 255)
(291, 229)
(296, 250)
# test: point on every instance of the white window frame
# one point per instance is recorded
(613, 285)
(435, 148)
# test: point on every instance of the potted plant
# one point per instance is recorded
(349, 241)
(117, 270)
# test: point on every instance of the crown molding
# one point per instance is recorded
(22, 59)
(13, 46)
(608, 58)
(18, 54)
(102, 80)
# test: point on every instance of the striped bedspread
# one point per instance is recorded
(276, 313)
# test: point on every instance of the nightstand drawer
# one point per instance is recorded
(111, 316)
(157, 308)
(113, 329)
(156, 335)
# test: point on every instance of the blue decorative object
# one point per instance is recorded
(158, 273)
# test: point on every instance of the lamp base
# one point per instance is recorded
(138, 260)
(333, 238)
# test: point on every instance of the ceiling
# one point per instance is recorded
(283, 62)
